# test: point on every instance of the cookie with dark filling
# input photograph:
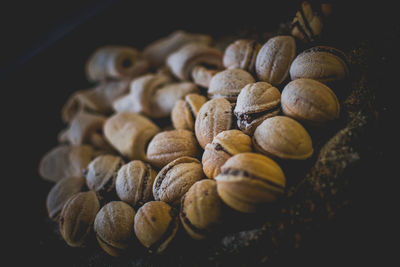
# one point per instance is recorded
(256, 102)
(156, 224)
(76, 218)
(175, 179)
(102, 173)
(184, 113)
(200, 212)
(134, 183)
(114, 227)
(224, 145)
(228, 84)
(325, 64)
(241, 54)
(214, 116)
(250, 180)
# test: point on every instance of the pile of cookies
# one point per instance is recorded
(171, 134)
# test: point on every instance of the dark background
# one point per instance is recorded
(44, 46)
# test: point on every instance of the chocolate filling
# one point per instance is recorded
(170, 229)
(218, 147)
(146, 143)
(250, 117)
(127, 63)
(300, 28)
(160, 179)
(252, 58)
(107, 191)
(230, 98)
(146, 178)
(330, 50)
(202, 232)
(110, 184)
(81, 230)
(236, 172)
(61, 220)
(306, 24)
(119, 251)
(202, 59)
(209, 66)
(99, 130)
(191, 110)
